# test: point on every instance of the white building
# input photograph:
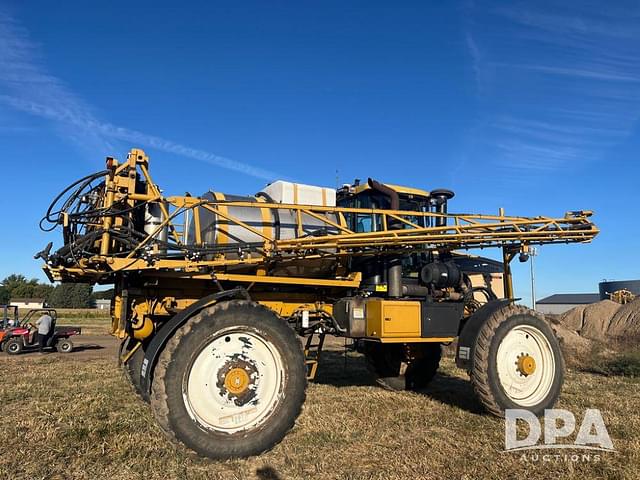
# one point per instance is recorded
(103, 304)
(27, 303)
(561, 302)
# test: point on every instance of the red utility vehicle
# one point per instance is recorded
(23, 335)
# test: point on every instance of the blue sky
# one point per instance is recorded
(530, 106)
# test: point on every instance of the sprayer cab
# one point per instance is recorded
(376, 195)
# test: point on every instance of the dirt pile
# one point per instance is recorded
(605, 323)
(592, 320)
(626, 321)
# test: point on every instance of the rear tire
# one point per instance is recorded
(14, 346)
(64, 346)
(230, 382)
(132, 371)
(517, 362)
(397, 369)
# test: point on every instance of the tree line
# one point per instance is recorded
(63, 295)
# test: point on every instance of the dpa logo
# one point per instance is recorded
(558, 424)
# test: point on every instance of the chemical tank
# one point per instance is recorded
(277, 223)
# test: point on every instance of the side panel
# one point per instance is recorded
(393, 319)
(441, 319)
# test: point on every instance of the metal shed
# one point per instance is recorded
(561, 302)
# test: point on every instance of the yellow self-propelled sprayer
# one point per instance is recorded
(212, 293)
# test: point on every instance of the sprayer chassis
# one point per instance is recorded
(209, 329)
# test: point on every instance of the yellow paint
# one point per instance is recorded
(129, 354)
(223, 238)
(417, 340)
(398, 188)
(393, 319)
(353, 281)
(526, 365)
(142, 329)
(266, 219)
(236, 380)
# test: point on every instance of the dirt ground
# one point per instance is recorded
(75, 416)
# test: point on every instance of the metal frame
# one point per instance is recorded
(399, 234)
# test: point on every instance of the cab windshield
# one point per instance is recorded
(371, 222)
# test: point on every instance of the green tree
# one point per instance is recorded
(17, 286)
(24, 290)
(103, 294)
(13, 280)
(43, 290)
(71, 295)
(4, 296)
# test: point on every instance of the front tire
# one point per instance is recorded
(230, 382)
(15, 346)
(517, 362)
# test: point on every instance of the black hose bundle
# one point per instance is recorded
(77, 189)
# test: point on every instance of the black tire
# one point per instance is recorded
(14, 346)
(132, 371)
(484, 372)
(64, 345)
(395, 371)
(171, 398)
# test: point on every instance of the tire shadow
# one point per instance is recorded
(343, 370)
(453, 391)
(340, 370)
(86, 346)
(268, 473)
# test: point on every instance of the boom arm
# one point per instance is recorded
(102, 240)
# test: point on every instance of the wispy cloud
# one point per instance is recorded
(559, 84)
(595, 73)
(29, 88)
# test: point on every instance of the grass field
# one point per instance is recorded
(66, 418)
(92, 321)
(90, 325)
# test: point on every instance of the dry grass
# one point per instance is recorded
(616, 357)
(63, 418)
(81, 313)
(92, 321)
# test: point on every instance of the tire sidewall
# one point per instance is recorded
(18, 347)
(492, 369)
(205, 441)
(64, 346)
(132, 370)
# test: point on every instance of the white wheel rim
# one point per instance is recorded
(525, 390)
(13, 347)
(205, 392)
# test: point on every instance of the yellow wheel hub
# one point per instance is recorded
(526, 365)
(236, 380)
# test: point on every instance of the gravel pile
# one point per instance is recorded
(604, 322)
